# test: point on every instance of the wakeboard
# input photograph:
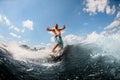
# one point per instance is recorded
(57, 56)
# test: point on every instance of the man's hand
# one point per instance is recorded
(64, 26)
(48, 29)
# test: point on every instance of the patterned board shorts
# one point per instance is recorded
(59, 40)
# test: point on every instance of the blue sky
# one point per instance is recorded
(26, 20)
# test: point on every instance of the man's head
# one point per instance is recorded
(56, 26)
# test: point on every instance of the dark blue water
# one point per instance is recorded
(77, 63)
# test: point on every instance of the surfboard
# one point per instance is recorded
(56, 56)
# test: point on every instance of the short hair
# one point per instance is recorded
(56, 25)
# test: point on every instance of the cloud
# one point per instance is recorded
(94, 6)
(52, 39)
(14, 35)
(14, 28)
(110, 10)
(43, 46)
(113, 27)
(72, 38)
(0, 18)
(115, 23)
(6, 21)
(1, 36)
(28, 24)
(118, 16)
(92, 37)
(23, 41)
(50, 32)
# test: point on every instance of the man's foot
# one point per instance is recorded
(51, 53)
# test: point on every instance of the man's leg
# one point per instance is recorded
(60, 45)
(54, 47)
(60, 49)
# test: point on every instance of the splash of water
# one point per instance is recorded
(109, 44)
(20, 53)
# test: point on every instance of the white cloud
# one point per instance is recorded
(28, 24)
(14, 35)
(24, 41)
(7, 21)
(104, 33)
(50, 32)
(72, 38)
(43, 46)
(115, 23)
(94, 6)
(92, 37)
(63, 32)
(113, 27)
(52, 39)
(0, 18)
(118, 16)
(14, 28)
(110, 10)
(1, 36)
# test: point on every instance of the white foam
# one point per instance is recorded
(29, 69)
(20, 53)
(109, 44)
(48, 65)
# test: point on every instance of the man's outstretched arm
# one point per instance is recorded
(48, 29)
(62, 28)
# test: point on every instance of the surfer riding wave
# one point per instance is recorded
(58, 38)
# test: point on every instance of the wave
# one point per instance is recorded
(86, 60)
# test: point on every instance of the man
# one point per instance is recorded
(58, 38)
